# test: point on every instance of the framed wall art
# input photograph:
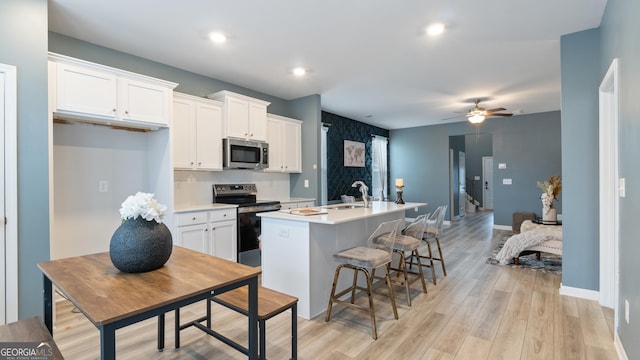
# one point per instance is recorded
(353, 153)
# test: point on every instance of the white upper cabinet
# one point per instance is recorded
(84, 91)
(285, 148)
(243, 117)
(101, 94)
(196, 133)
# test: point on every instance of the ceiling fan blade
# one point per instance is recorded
(499, 114)
(496, 109)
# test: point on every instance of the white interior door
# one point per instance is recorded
(462, 176)
(3, 284)
(611, 188)
(487, 182)
(8, 196)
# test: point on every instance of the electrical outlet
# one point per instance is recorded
(306, 183)
(103, 186)
(626, 311)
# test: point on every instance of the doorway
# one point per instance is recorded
(611, 188)
(487, 182)
(8, 194)
(462, 187)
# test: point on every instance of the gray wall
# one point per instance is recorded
(308, 109)
(23, 43)
(619, 39)
(528, 144)
(580, 80)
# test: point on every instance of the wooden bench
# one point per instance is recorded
(270, 304)
(29, 330)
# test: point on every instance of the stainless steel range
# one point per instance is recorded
(244, 195)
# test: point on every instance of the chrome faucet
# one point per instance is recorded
(364, 189)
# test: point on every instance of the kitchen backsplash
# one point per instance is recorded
(194, 187)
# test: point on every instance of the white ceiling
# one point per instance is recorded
(370, 60)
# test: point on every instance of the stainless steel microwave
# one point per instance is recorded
(244, 154)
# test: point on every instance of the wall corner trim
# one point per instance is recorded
(622, 355)
(579, 293)
(502, 227)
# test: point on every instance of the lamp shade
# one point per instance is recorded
(476, 119)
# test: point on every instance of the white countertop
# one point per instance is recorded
(202, 207)
(330, 214)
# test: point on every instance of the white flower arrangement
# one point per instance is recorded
(143, 205)
(550, 190)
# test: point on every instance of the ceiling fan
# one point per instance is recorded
(477, 114)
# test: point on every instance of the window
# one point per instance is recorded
(379, 167)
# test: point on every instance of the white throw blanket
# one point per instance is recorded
(520, 242)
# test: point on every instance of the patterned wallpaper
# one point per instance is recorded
(339, 177)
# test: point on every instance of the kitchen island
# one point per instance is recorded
(298, 247)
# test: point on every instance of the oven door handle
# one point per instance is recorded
(258, 209)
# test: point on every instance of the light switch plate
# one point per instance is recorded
(621, 187)
(506, 182)
(502, 165)
(477, 177)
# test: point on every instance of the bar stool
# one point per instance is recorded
(408, 240)
(363, 259)
(433, 231)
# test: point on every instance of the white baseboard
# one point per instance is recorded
(622, 355)
(502, 227)
(579, 293)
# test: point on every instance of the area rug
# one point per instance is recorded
(548, 262)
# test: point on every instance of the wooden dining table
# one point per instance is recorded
(112, 299)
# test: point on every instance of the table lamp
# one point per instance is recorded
(399, 189)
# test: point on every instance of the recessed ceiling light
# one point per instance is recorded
(217, 37)
(435, 29)
(299, 71)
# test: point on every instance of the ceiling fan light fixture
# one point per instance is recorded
(299, 71)
(217, 37)
(435, 29)
(476, 119)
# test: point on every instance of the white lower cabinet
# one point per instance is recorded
(211, 232)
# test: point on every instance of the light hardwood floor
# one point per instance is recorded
(478, 311)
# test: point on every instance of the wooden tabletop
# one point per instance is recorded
(105, 294)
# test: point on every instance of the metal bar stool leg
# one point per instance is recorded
(444, 269)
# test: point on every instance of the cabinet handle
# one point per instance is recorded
(251, 135)
(114, 110)
(126, 112)
(199, 164)
(192, 163)
(224, 215)
(194, 218)
(206, 229)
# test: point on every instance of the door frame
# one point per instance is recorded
(10, 256)
(609, 189)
